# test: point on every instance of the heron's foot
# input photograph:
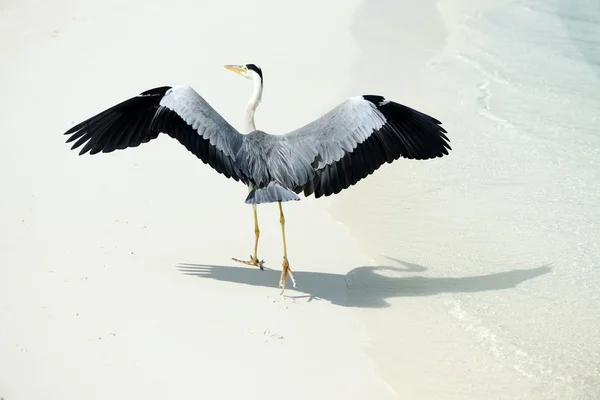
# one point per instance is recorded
(253, 261)
(285, 271)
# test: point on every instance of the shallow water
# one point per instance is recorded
(493, 255)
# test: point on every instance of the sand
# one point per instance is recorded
(469, 277)
(117, 279)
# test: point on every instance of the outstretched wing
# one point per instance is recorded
(355, 138)
(178, 111)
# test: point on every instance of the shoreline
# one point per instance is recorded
(464, 249)
(395, 79)
(421, 281)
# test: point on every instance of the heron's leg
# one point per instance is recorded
(286, 265)
(256, 233)
(254, 259)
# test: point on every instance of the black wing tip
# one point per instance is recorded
(406, 133)
(157, 91)
(77, 127)
(73, 129)
(383, 104)
(95, 131)
(437, 143)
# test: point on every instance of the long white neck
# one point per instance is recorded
(253, 103)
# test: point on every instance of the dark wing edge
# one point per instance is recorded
(406, 133)
(143, 117)
(127, 124)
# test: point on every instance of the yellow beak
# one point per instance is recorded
(238, 69)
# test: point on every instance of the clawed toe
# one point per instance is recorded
(253, 261)
(285, 271)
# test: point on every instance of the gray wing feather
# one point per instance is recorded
(328, 138)
(203, 118)
(351, 141)
(323, 157)
(178, 111)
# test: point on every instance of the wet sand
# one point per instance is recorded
(482, 281)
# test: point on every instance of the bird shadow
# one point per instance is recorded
(365, 286)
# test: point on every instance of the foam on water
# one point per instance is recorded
(541, 71)
(507, 228)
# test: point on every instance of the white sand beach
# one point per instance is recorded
(474, 276)
(100, 290)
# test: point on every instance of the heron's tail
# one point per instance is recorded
(271, 193)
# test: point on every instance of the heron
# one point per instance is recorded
(321, 158)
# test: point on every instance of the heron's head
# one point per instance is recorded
(248, 71)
